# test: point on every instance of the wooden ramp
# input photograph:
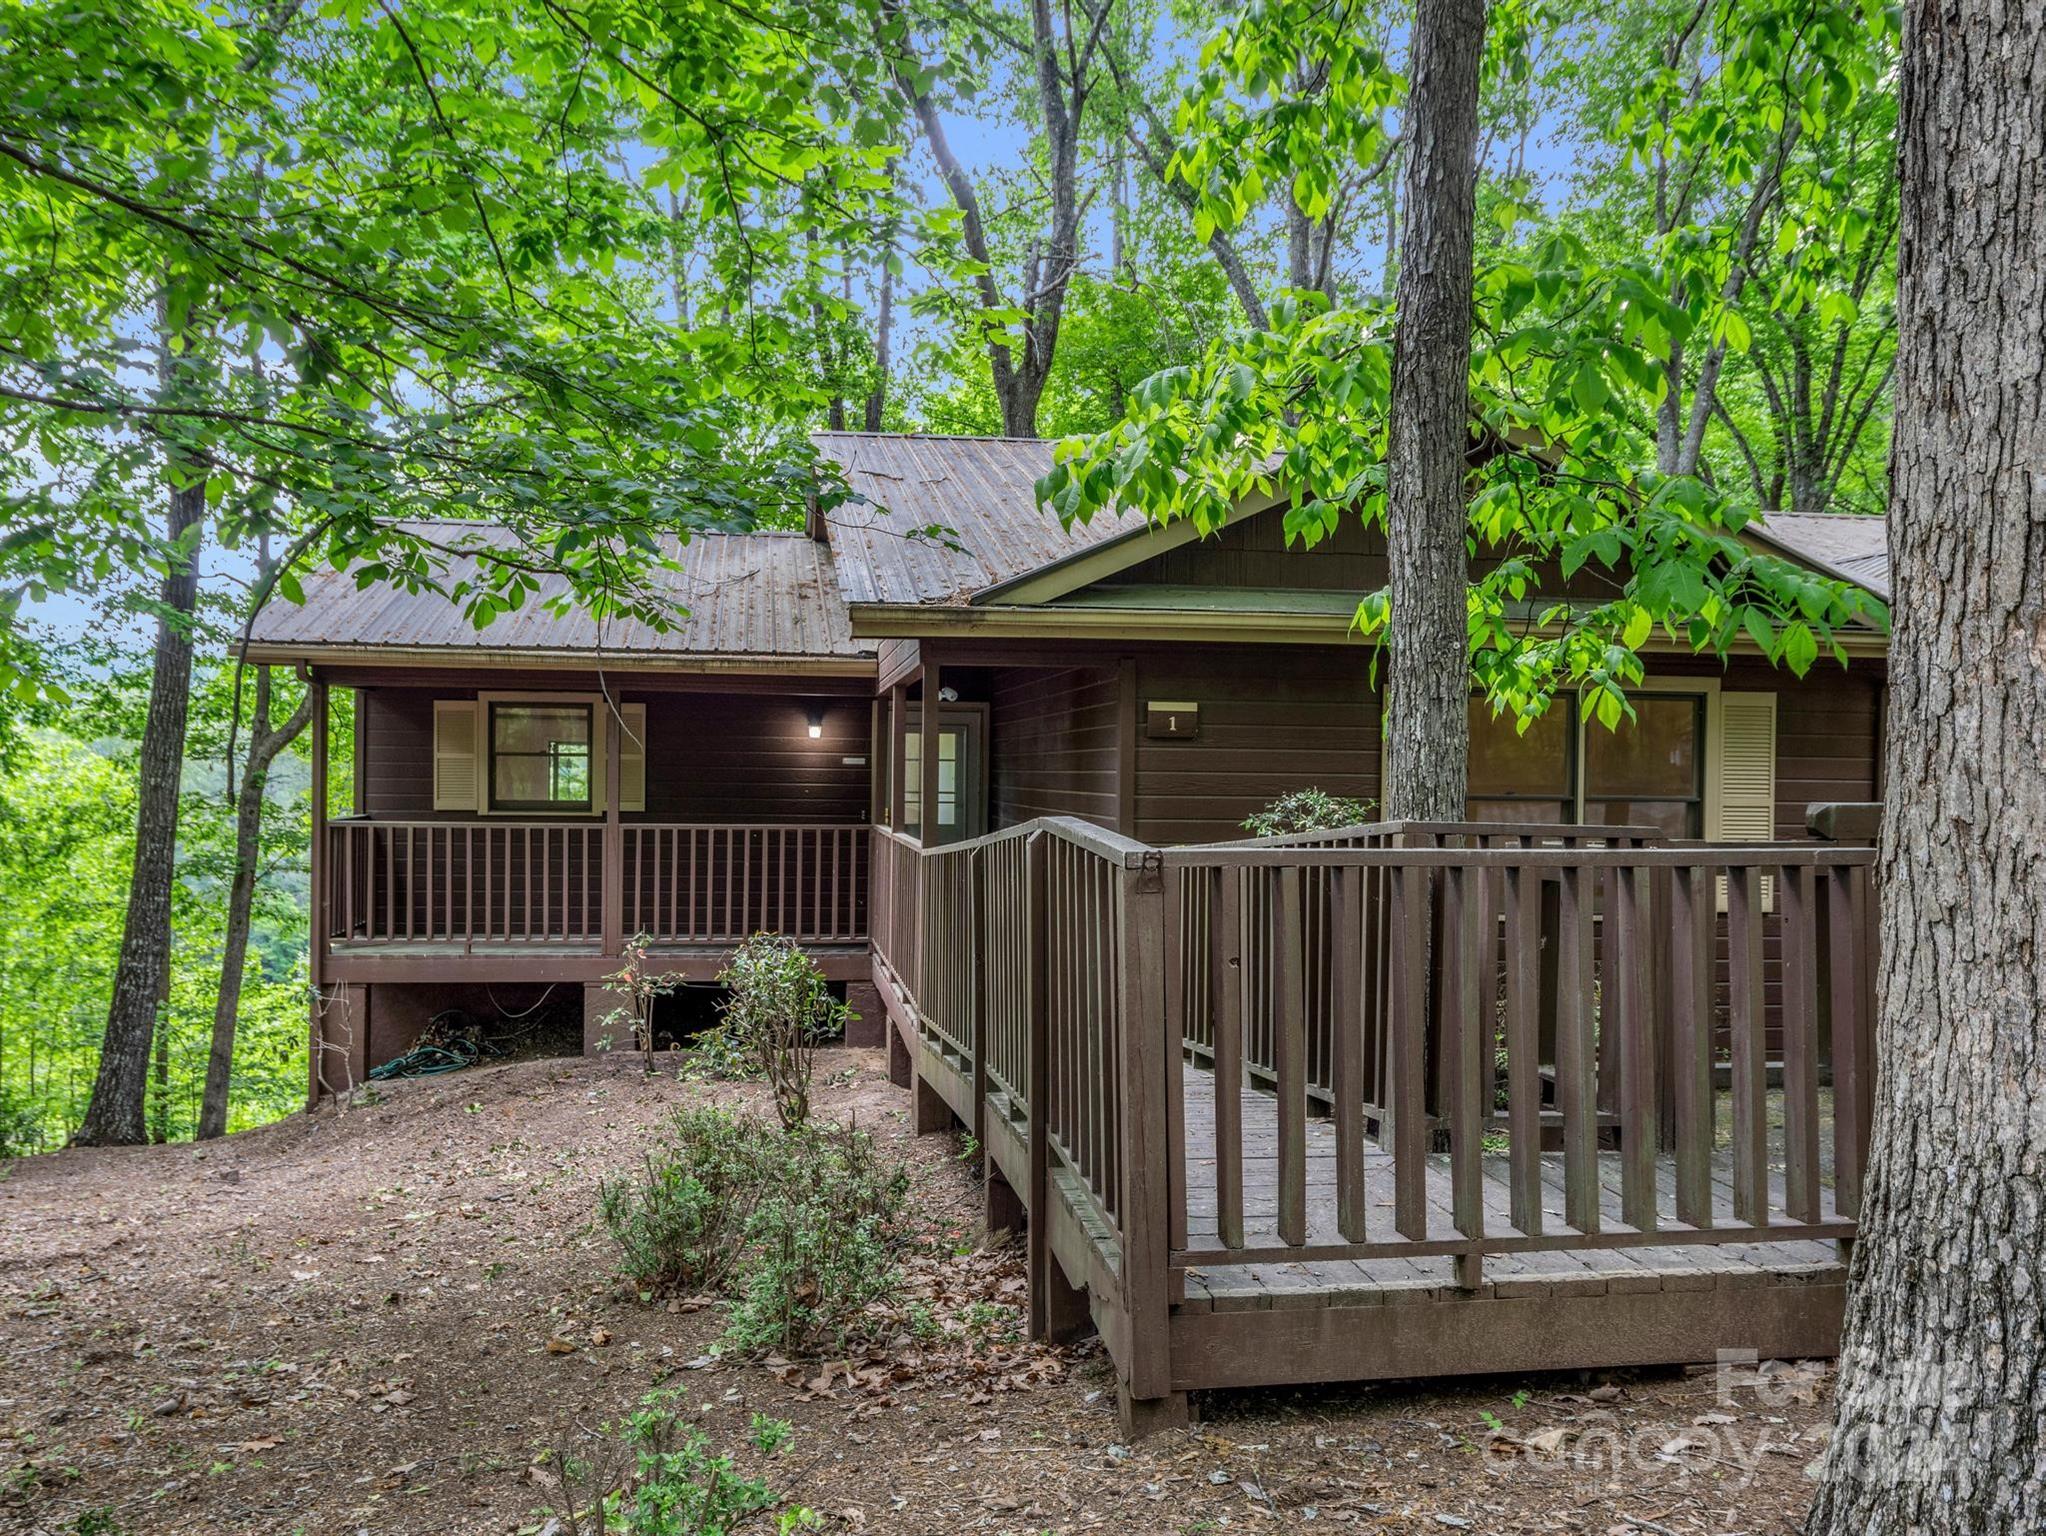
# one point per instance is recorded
(1500, 1099)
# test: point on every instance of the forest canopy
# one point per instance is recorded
(293, 283)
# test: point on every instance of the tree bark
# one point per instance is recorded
(265, 742)
(1428, 725)
(884, 341)
(1942, 1391)
(114, 1117)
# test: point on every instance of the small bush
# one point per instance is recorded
(656, 1475)
(679, 1219)
(1307, 810)
(641, 986)
(779, 1007)
(802, 1225)
(821, 1247)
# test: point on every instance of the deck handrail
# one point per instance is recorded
(1437, 985)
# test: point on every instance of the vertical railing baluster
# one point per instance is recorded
(1852, 1034)
(1289, 1050)
(1523, 1047)
(1408, 1026)
(1466, 1033)
(1691, 1040)
(1576, 1062)
(1630, 956)
(1346, 1043)
(1800, 1046)
(1226, 988)
(1747, 1020)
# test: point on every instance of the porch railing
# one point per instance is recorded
(706, 884)
(546, 883)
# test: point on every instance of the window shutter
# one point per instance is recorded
(1747, 777)
(1747, 767)
(632, 757)
(457, 778)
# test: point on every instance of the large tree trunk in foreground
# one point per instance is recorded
(1428, 726)
(265, 742)
(1942, 1391)
(115, 1115)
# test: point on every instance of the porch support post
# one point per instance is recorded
(614, 833)
(877, 764)
(928, 830)
(322, 916)
(898, 716)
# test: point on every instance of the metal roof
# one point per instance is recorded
(1853, 545)
(980, 489)
(753, 594)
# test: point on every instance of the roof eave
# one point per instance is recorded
(902, 621)
(425, 657)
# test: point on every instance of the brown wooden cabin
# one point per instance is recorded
(770, 765)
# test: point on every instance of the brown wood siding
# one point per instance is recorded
(1052, 744)
(732, 758)
(1272, 721)
(710, 757)
(1254, 553)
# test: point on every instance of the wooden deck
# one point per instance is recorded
(1224, 1285)
(1062, 992)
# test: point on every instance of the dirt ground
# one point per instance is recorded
(381, 1319)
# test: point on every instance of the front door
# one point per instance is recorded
(962, 776)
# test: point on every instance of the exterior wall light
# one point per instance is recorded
(816, 722)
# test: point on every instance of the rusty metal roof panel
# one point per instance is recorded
(1851, 544)
(981, 490)
(756, 594)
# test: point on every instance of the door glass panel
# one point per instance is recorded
(948, 778)
(913, 779)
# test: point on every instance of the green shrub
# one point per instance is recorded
(1307, 810)
(656, 1475)
(821, 1247)
(801, 1225)
(779, 1006)
(679, 1219)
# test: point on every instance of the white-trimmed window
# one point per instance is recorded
(534, 754)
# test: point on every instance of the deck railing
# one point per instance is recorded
(1516, 1033)
(545, 883)
(1034, 961)
(1436, 955)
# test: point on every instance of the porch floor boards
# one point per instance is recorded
(1215, 1284)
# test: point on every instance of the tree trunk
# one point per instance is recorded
(884, 333)
(114, 1117)
(1428, 726)
(264, 745)
(1942, 1391)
